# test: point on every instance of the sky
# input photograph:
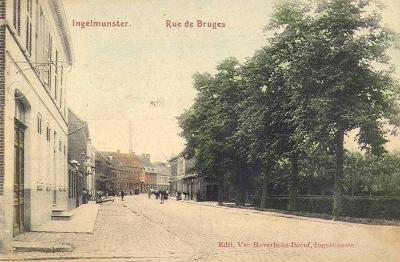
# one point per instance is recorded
(143, 72)
(119, 72)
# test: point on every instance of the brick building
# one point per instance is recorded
(131, 173)
(35, 55)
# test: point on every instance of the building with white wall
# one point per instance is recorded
(35, 54)
(163, 174)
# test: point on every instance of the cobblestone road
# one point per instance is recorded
(142, 229)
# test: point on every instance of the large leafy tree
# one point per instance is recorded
(208, 125)
(335, 52)
(265, 127)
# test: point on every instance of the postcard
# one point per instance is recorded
(214, 130)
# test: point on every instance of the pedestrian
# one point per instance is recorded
(149, 194)
(162, 196)
(157, 194)
(122, 195)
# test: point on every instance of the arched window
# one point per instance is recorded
(19, 111)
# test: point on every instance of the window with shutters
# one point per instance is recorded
(39, 123)
(48, 133)
(56, 77)
(48, 62)
(61, 83)
(17, 16)
(29, 27)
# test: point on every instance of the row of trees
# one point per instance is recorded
(324, 73)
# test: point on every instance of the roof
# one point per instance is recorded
(84, 124)
(128, 160)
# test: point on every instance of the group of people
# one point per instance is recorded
(160, 194)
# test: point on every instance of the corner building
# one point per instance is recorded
(35, 55)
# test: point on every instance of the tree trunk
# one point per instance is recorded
(240, 189)
(293, 181)
(220, 192)
(339, 158)
(264, 194)
(240, 198)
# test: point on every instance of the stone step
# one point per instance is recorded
(25, 246)
(61, 216)
(57, 210)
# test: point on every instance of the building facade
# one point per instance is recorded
(189, 183)
(130, 174)
(35, 55)
(75, 185)
(163, 173)
(81, 150)
(150, 180)
(105, 173)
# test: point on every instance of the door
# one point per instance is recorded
(19, 178)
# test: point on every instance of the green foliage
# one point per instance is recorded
(356, 207)
(281, 117)
(372, 175)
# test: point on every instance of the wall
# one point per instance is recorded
(45, 163)
(5, 239)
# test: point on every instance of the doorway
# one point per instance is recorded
(19, 146)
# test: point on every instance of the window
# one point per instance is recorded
(29, 27)
(49, 66)
(65, 150)
(48, 133)
(17, 16)
(61, 83)
(41, 38)
(39, 124)
(71, 184)
(19, 111)
(56, 78)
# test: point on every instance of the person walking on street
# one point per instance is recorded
(122, 195)
(162, 196)
(149, 194)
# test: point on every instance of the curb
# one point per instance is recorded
(20, 246)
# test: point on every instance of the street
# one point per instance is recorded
(142, 229)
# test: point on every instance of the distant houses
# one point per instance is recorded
(190, 184)
(131, 173)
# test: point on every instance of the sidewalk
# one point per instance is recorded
(57, 235)
(82, 221)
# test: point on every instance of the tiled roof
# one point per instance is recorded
(129, 160)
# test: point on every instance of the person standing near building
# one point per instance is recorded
(122, 195)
